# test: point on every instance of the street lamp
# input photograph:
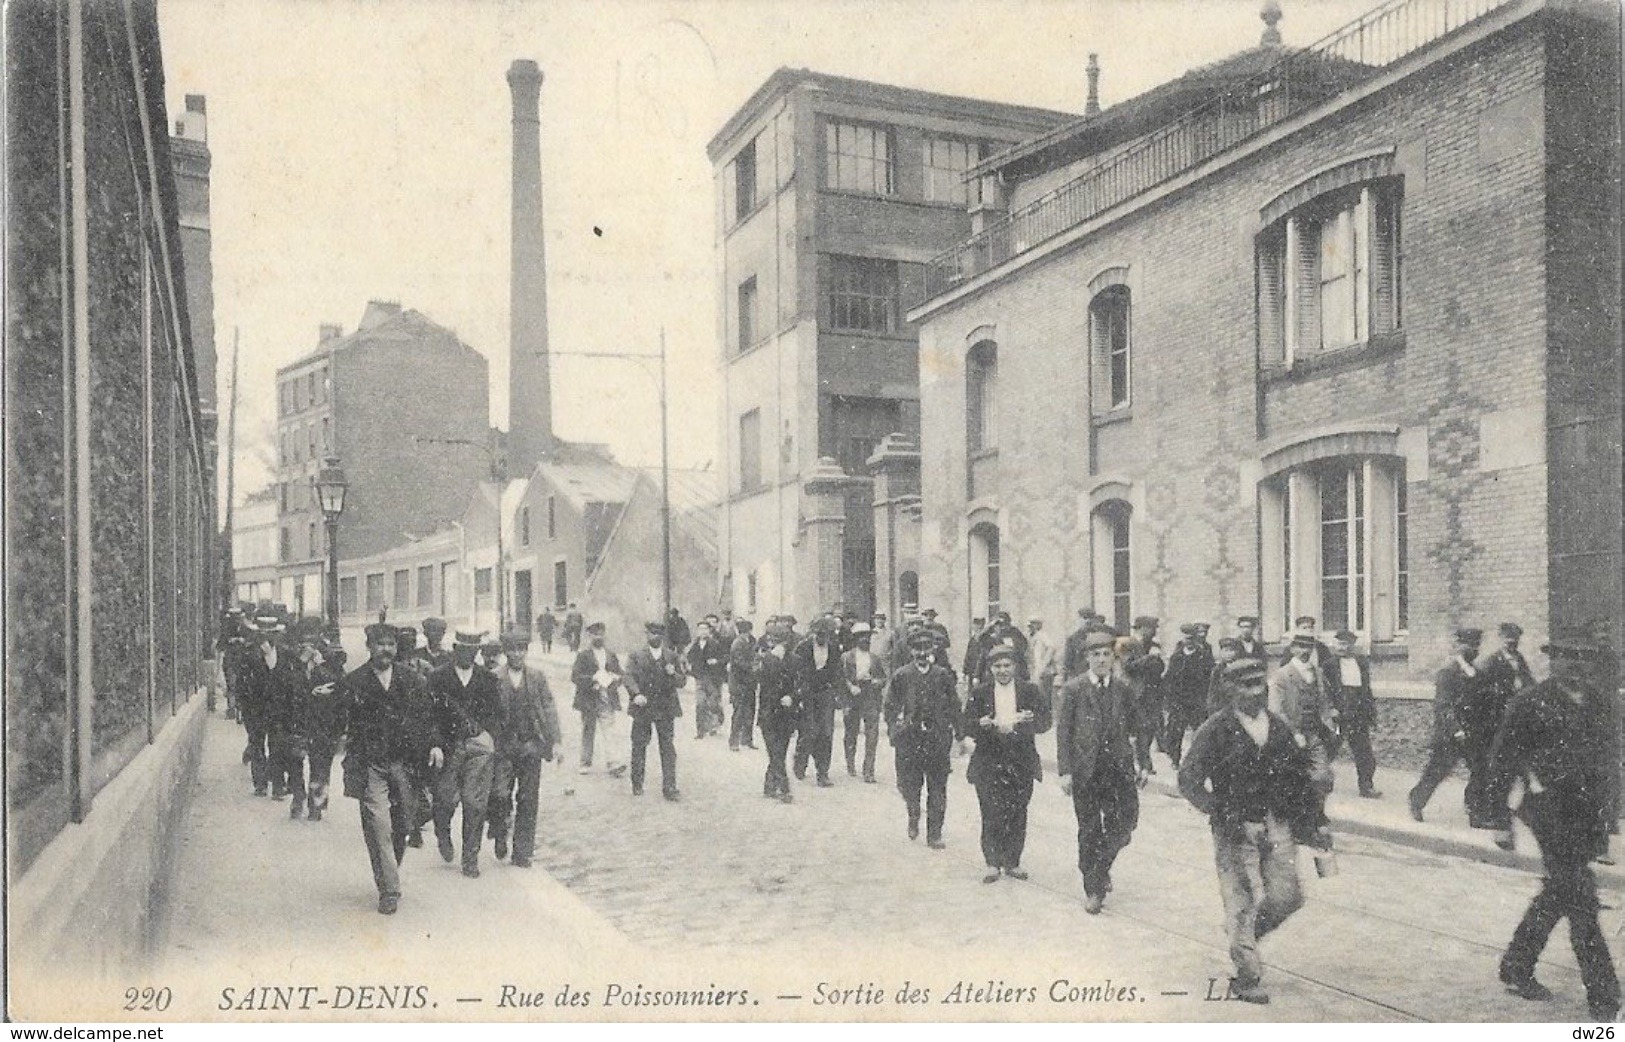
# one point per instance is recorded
(330, 490)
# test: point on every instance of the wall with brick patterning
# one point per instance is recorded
(1467, 389)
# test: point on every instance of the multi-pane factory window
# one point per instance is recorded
(862, 294)
(858, 158)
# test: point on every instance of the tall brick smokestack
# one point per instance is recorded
(530, 395)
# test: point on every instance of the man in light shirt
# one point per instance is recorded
(866, 685)
(596, 674)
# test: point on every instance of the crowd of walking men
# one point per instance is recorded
(431, 730)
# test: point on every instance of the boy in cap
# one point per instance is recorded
(922, 717)
(1456, 698)
(1247, 774)
(1101, 765)
(529, 734)
(1554, 740)
(654, 677)
(597, 677)
(1003, 714)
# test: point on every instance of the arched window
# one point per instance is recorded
(981, 396)
(984, 570)
(1113, 563)
(1109, 339)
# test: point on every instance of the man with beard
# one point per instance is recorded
(597, 677)
(1101, 766)
(816, 665)
(742, 660)
(922, 717)
(468, 716)
(1184, 687)
(777, 711)
(865, 674)
(529, 734)
(654, 677)
(390, 728)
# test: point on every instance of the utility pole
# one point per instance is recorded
(665, 489)
(229, 586)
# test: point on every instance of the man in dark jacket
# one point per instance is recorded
(922, 716)
(1247, 774)
(1554, 740)
(326, 714)
(708, 664)
(1101, 765)
(1455, 736)
(654, 676)
(390, 727)
(677, 635)
(276, 694)
(1358, 709)
(742, 658)
(572, 627)
(1504, 673)
(529, 735)
(468, 717)
(1074, 653)
(778, 711)
(1143, 666)
(546, 623)
(865, 676)
(816, 666)
(1185, 685)
(1002, 715)
(597, 677)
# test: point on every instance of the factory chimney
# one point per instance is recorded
(530, 400)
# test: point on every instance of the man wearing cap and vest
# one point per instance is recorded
(468, 717)
(865, 675)
(1247, 635)
(778, 710)
(708, 664)
(1300, 695)
(1554, 739)
(598, 679)
(1357, 709)
(1455, 700)
(1101, 765)
(1003, 714)
(1184, 686)
(654, 677)
(1246, 772)
(529, 734)
(390, 729)
(742, 662)
(922, 717)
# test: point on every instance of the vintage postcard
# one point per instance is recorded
(768, 511)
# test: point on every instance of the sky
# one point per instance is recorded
(361, 150)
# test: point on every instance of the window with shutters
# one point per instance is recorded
(1329, 274)
(1335, 538)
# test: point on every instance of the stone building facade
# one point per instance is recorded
(1341, 340)
(831, 195)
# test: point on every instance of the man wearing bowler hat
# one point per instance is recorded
(1456, 700)
(1101, 766)
(390, 729)
(654, 677)
(468, 717)
(922, 718)
(1554, 739)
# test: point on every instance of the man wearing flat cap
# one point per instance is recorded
(742, 661)
(654, 677)
(1184, 686)
(816, 666)
(1143, 667)
(1456, 702)
(1505, 673)
(1300, 695)
(468, 717)
(1247, 635)
(865, 674)
(1003, 714)
(390, 731)
(778, 709)
(1554, 739)
(529, 735)
(1101, 765)
(598, 679)
(1246, 772)
(922, 719)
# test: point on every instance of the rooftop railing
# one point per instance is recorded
(1301, 78)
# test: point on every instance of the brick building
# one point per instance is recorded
(404, 404)
(1337, 334)
(832, 194)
